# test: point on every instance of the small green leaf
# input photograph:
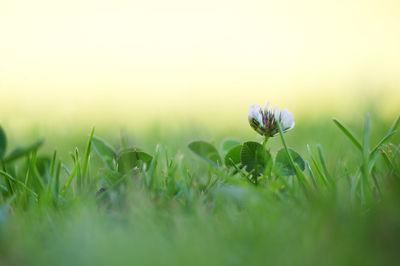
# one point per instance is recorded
(282, 163)
(254, 157)
(131, 158)
(206, 151)
(233, 155)
(227, 145)
(19, 152)
(105, 151)
(3, 142)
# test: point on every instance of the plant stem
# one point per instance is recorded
(265, 142)
(296, 168)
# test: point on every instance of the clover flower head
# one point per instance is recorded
(265, 121)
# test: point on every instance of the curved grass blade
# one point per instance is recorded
(348, 133)
(386, 138)
(396, 124)
(105, 151)
(9, 177)
(19, 152)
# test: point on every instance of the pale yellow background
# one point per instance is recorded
(136, 61)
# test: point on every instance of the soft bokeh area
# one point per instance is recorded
(134, 62)
(124, 137)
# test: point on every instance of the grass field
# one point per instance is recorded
(103, 196)
(128, 134)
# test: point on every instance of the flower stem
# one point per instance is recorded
(265, 142)
(295, 167)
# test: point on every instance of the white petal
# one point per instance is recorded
(276, 113)
(284, 114)
(287, 119)
(291, 126)
(254, 113)
(266, 108)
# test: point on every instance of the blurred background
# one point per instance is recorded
(85, 62)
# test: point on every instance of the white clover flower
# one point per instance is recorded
(265, 121)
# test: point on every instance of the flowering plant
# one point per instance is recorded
(252, 159)
(265, 121)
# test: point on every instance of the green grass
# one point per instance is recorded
(69, 201)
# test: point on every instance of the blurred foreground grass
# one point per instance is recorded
(206, 217)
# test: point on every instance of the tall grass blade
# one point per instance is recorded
(308, 167)
(86, 156)
(354, 186)
(323, 163)
(38, 182)
(366, 188)
(317, 166)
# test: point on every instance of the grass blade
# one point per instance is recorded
(74, 172)
(105, 151)
(323, 163)
(321, 175)
(297, 169)
(38, 182)
(308, 167)
(386, 138)
(396, 124)
(87, 155)
(22, 151)
(348, 133)
(365, 187)
(9, 177)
